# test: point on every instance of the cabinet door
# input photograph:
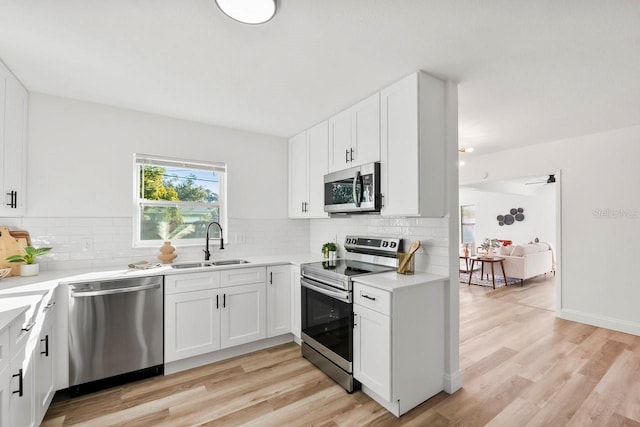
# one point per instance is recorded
(43, 357)
(340, 141)
(399, 148)
(14, 135)
(296, 304)
(21, 404)
(365, 131)
(243, 314)
(5, 393)
(191, 324)
(318, 162)
(298, 176)
(372, 350)
(278, 300)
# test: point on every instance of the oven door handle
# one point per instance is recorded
(326, 290)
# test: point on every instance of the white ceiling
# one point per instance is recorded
(528, 71)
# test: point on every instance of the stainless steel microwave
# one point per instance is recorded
(353, 190)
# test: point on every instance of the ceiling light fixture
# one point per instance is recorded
(248, 11)
(465, 149)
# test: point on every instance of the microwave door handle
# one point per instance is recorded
(357, 182)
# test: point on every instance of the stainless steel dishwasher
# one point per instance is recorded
(115, 331)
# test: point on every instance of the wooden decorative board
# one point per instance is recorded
(11, 245)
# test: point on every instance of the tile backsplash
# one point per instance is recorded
(433, 233)
(89, 242)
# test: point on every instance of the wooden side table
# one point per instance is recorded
(466, 262)
(490, 261)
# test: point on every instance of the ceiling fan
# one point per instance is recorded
(550, 180)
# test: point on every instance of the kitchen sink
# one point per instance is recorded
(200, 264)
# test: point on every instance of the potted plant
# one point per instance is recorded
(489, 245)
(329, 247)
(29, 268)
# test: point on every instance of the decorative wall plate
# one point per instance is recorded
(508, 219)
(519, 217)
(500, 218)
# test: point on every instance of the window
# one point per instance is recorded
(176, 199)
(468, 223)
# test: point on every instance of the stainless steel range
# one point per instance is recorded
(327, 303)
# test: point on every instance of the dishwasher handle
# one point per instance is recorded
(123, 290)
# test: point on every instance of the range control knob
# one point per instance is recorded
(393, 245)
(385, 244)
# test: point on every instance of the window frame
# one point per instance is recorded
(139, 203)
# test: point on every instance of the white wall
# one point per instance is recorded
(80, 182)
(539, 214)
(600, 219)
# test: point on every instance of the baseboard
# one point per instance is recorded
(600, 321)
(227, 353)
(453, 382)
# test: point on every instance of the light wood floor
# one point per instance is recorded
(522, 366)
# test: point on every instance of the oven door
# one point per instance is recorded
(353, 190)
(327, 321)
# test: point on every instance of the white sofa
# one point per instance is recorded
(526, 261)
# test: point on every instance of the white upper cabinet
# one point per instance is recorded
(308, 153)
(13, 141)
(298, 175)
(412, 147)
(354, 135)
(365, 131)
(340, 141)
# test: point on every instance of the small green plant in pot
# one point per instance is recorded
(328, 247)
(29, 268)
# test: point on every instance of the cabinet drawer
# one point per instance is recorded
(19, 330)
(178, 283)
(4, 349)
(243, 276)
(373, 298)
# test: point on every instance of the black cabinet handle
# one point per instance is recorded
(355, 322)
(13, 203)
(20, 389)
(27, 327)
(271, 277)
(217, 301)
(50, 305)
(351, 155)
(224, 300)
(46, 345)
(302, 208)
(346, 156)
(368, 297)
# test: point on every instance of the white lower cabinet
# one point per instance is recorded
(372, 350)
(191, 324)
(278, 300)
(398, 351)
(243, 318)
(44, 383)
(27, 370)
(243, 305)
(21, 400)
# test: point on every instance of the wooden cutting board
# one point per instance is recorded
(10, 245)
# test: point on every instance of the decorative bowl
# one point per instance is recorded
(4, 272)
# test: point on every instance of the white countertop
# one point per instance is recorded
(393, 282)
(14, 288)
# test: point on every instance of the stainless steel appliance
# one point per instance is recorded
(327, 303)
(353, 190)
(115, 328)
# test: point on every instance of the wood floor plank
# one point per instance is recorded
(522, 366)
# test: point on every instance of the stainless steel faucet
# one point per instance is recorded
(207, 254)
